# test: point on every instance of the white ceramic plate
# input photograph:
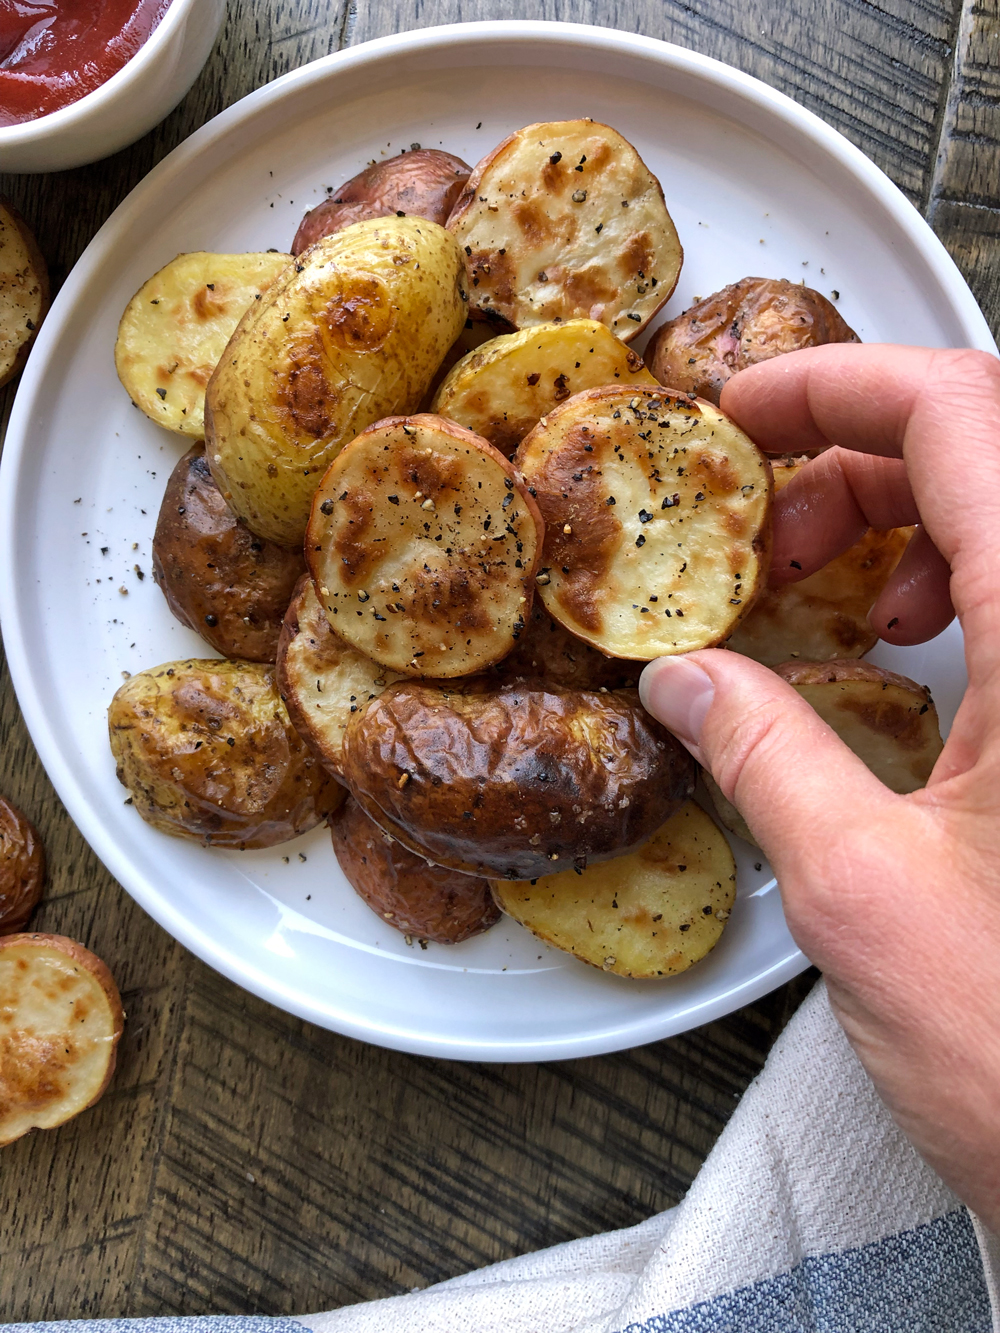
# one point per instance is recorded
(755, 185)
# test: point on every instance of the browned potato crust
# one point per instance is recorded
(24, 290)
(749, 321)
(22, 868)
(424, 184)
(417, 898)
(220, 580)
(60, 1020)
(516, 781)
(208, 752)
(549, 652)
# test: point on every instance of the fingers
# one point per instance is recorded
(915, 604)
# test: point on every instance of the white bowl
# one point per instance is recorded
(128, 104)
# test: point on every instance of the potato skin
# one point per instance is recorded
(424, 183)
(749, 321)
(22, 868)
(445, 906)
(220, 580)
(208, 752)
(549, 652)
(514, 782)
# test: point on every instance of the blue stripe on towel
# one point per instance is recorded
(208, 1323)
(929, 1280)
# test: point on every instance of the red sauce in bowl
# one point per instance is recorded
(53, 52)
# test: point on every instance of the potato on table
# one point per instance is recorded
(220, 580)
(24, 290)
(424, 183)
(22, 869)
(657, 520)
(652, 913)
(517, 780)
(403, 889)
(175, 329)
(564, 220)
(749, 321)
(60, 1020)
(208, 753)
(351, 333)
(547, 651)
(423, 544)
(502, 389)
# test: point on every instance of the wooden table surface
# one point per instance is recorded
(244, 1161)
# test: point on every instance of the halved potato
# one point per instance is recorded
(60, 1020)
(175, 329)
(547, 651)
(501, 390)
(657, 514)
(22, 868)
(564, 220)
(24, 290)
(652, 913)
(423, 543)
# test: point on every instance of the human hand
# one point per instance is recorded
(895, 898)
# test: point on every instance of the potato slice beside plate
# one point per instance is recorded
(24, 290)
(652, 913)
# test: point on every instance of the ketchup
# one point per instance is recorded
(53, 52)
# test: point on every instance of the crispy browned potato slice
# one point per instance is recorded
(322, 679)
(424, 183)
(60, 1020)
(514, 781)
(547, 651)
(749, 321)
(501, 390)
(657, 520)
(24, 290)
(208, 752)
(564, 220)
(175, 329)
(651, 913)
(423, 544)
(22, 869)
(417, 898)
(888, 720)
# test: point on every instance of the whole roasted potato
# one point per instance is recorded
(351, 333)
(208, 752)
(424, 183)
(749, 321)
(419, 899)
(220, 580)
(516, 781)
(22, 868)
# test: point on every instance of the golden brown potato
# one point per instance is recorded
(24, 290)
(351, 333)
(423, 545)
(657, 520)
(175, 329)
(564, 220)
(208, 753)
(60, 1020)
(749, 321)
(547, 651)
(424, 183)
(501, 390)
(651, 913)
(474, 333)
(417, 898)
(220, 580)
(22, 869)
(515, 781)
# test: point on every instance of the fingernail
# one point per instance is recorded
(679, 694)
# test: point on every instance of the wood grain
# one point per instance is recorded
(245, 1161)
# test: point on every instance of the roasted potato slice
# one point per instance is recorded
(207, 751)
(24, 290)
(547, 651)
(501, 390)
(60, 1020)
(352, 332)
(424, 183)
(417, 898)
(657, 520)
(652, 913)
(512, 782)
(322, 679)
(220, 580)
(423, 545)
(22, 869)
(749, 321)
(176, 327)
(564, 220)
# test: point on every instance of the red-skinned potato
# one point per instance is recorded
(22, 868)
